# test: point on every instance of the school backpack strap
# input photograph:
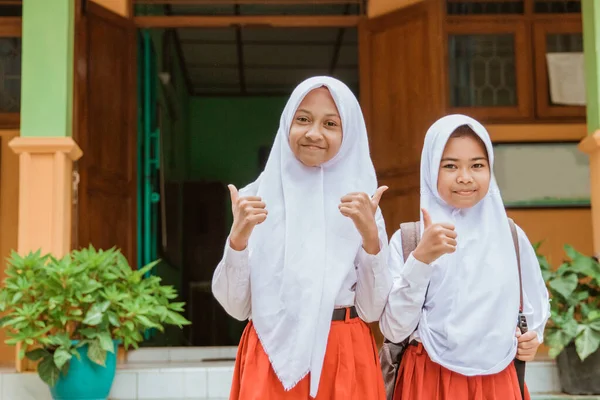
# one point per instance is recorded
(410, 233)
(390, 354)
(522, 321)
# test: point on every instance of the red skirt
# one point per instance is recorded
(351, 369)
(419, 378)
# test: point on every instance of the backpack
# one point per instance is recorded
(390, 354)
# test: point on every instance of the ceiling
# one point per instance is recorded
(266, 61)
(263, 60)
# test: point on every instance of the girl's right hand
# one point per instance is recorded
(247, 213)
(437, 240)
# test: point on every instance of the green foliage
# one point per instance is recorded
(574, 312)
(90, 297)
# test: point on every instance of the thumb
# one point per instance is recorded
(234, 194)
(426, 219)
(377, 196)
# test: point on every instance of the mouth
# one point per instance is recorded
(465, 193)
(312, 147)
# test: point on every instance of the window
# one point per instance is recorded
(497, 57)
(487, 66)
(10, 71)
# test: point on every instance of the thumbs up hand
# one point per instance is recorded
(247, 213)
(437, 240)
(361, 208)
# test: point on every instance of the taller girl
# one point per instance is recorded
(306, 257)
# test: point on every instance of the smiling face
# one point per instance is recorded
(316, 131)
(464, 174)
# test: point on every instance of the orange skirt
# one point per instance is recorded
(419, 378)
(351, 368)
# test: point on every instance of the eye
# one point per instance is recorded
(449, 166)
(478, 165)
(331, 124)
(302, 119)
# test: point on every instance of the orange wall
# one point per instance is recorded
(556, 227)
(9, 207)
(380, 7)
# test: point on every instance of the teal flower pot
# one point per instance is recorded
(86, 380)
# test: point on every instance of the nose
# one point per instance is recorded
(464, 176)
(313, 133)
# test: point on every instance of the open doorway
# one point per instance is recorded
(219, 93)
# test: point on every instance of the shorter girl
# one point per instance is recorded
(457, 295)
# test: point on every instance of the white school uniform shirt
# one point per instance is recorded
(306, 257)
(464, 306)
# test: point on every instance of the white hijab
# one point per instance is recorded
(301, 254)
(470, 314)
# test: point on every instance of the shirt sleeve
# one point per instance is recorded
(536, 303)
(373, 278)
(231, 283)
(407, 296)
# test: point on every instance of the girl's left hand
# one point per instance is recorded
(528, 345)
(361, 208)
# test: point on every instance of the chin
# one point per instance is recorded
(310, 163)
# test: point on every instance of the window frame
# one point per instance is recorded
(543, 26)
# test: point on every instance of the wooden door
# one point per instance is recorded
(106, 130)
(401, 93)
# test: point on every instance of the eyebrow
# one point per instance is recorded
(308, 112)
(456, 159)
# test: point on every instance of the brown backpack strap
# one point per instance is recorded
(515, 236)
(410, 233)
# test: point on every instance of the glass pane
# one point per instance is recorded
(557, 6)
(476, 7)
(564, 43)
(482, 70)
(10, 75)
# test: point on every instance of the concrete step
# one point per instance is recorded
(206, 373)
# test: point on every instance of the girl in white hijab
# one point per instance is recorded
(306, 259)
(457, 294)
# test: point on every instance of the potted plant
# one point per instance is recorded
(573, 330)
(71, 313)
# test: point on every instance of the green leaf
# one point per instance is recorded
(22, 351)
(96, 353)
(61, 357)
(65, 369)
(176, 319)
(61, 339)
(556, 340)
(587, 343)
(106, 342)
(149, 267)
(48, 371)
(18, 296)
(564, 285)
(113, 319)
(146, 322)
(35, 355)
(595, 325)
(94, 315)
